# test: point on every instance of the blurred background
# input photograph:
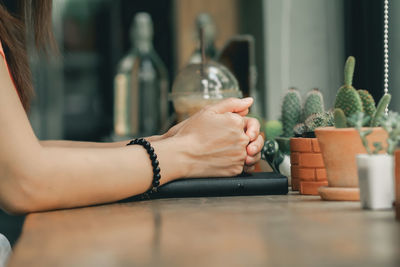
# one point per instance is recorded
(300, 43)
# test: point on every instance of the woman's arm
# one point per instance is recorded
(35, 177)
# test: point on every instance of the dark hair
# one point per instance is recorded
(17, 18)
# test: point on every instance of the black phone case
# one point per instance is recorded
(260, 183)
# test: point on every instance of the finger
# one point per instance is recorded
(252, 128)
(234, 105)
(251, 160)
(255, 147)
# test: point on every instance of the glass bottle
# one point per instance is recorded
(204, 21)
(141, 85)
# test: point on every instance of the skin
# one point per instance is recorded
(45, 175)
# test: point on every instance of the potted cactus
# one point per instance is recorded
(340, 144)
(294, 136)
(375, 171)
(307, 166)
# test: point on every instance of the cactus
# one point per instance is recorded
(273, 129)
(322, 119)
(368, 103)
(291, 111)
(382, 105)
(347, 98)
(340, 118)
(314, 103)
(349, 71)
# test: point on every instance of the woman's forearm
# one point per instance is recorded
(59, 177)
(79, 144)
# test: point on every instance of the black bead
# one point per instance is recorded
(156, 183)
(153, 156)
(150, 150)
(155, 163)
(147, 146)
(157, 177)
(156, 170)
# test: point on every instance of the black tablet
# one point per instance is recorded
(259, 183)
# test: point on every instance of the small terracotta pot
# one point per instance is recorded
(397, 185)
(307, 166)
(339, 149)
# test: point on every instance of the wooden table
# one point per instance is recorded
(232, 231)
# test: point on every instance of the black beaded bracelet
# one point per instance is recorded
(154, 162)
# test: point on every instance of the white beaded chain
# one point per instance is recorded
(386, 48)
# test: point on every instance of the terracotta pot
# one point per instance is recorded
(397, 185)
(339, 149)
(307, 166)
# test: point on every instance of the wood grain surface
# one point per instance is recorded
(288, 230)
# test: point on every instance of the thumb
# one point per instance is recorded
(234, 105)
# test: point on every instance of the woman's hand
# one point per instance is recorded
(252, 130)
(214, 140)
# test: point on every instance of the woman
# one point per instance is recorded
(41, 175)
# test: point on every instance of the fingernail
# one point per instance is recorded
(247, 99)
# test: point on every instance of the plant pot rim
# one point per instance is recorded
(334, 129)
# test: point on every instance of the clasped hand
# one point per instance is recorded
(220, 140)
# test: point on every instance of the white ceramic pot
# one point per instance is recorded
(376, 181)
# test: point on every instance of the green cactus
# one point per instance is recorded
(368, 103)
(273, 129)
(380, 109)
(340, 118)
(347, 98)
(314, 103)
(291, 111)
(349, 71)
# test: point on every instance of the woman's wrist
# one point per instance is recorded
(172, 158)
